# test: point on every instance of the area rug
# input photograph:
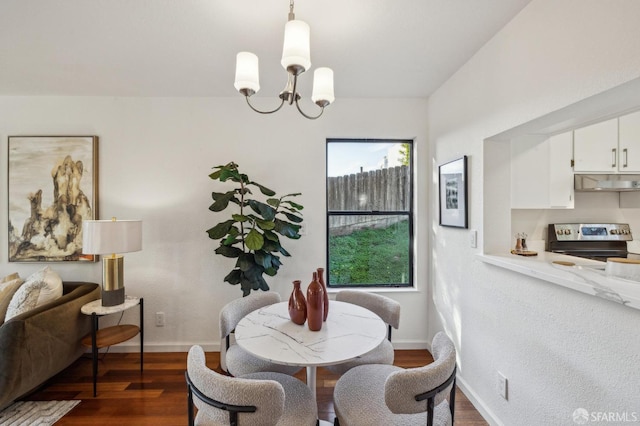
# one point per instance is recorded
(35, 413)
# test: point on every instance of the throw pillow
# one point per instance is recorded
(38, 289)
(7, 290)
(53, 285)
(10, 277)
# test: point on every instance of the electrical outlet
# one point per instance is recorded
(159, 319)
(473, 238)
(503, 386)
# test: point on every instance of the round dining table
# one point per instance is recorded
(350, 331)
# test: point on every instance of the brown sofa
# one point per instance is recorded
(38, 344)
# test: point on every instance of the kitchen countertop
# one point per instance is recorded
(587, 276)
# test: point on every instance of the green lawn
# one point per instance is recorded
(370, 256)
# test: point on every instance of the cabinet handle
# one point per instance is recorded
(613, 157)
(626, 154)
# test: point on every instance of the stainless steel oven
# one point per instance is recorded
(596, 241)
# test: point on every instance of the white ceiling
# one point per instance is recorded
(377, 48)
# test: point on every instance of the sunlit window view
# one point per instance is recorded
(369, 209)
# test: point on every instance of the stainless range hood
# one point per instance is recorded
(611, 183)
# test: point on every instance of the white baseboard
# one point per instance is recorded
(477, 402)
(409, 344)
(132, 347)
(161, 347)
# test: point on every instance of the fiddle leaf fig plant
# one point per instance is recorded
(252, 232)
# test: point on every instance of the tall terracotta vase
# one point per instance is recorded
(315, 304)
(297, 305)
(326, 294)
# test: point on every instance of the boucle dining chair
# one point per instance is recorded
(235, 360)
(387, 309)
(263, 399)
(391, 395)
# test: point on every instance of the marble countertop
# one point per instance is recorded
(587, 276)
(349, 331)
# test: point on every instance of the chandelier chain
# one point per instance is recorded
(292, 15)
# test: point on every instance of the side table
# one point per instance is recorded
(111, 335)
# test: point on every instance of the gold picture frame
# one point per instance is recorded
(52, 188)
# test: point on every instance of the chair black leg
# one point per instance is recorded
(190, 406)
(452, 399)
(336, 422)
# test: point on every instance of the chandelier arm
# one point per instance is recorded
(310, 117)
(263, 112)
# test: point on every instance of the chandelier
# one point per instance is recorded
(296, 59)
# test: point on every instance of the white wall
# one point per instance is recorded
(155, 157)
(560, 350)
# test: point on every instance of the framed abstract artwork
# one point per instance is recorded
(53, 187)
(453, 193)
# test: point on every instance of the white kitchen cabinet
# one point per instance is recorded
(595, 147)
(541, 173)
(629, 142)
(561, 194)
(612, 146)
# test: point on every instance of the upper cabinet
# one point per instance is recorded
(541, 174)
(629, 142)
(595, 147)
(561, 193)
(612, 146)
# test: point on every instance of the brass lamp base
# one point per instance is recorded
(112, 280)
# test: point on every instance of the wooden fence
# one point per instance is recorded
(377, 190)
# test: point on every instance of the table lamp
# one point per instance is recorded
(109, 237)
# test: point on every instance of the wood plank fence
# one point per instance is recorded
(385, 189)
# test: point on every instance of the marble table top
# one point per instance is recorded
(350, 331)
(97, 308)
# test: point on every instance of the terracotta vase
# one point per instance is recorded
(315, 304)
(297, 305)
(326, 294)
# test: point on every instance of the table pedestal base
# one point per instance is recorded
(311, 380)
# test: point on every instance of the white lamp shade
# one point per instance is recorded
(296, 49)
(247, 72)
(111, 236)
(323, 85)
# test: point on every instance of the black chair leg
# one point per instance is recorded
(190, 406)
(452, 400)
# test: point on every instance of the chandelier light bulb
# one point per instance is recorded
(296, 51)
(247, 73)
(323, 86)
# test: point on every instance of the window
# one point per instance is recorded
(369, 213)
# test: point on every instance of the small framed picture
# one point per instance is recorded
(53, 187)
(453, 193)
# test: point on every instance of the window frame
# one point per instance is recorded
(410, 214)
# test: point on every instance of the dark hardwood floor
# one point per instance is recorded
(158, 396)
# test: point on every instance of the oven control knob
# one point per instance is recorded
(567, 232)
(625, 231)
(614, 232)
